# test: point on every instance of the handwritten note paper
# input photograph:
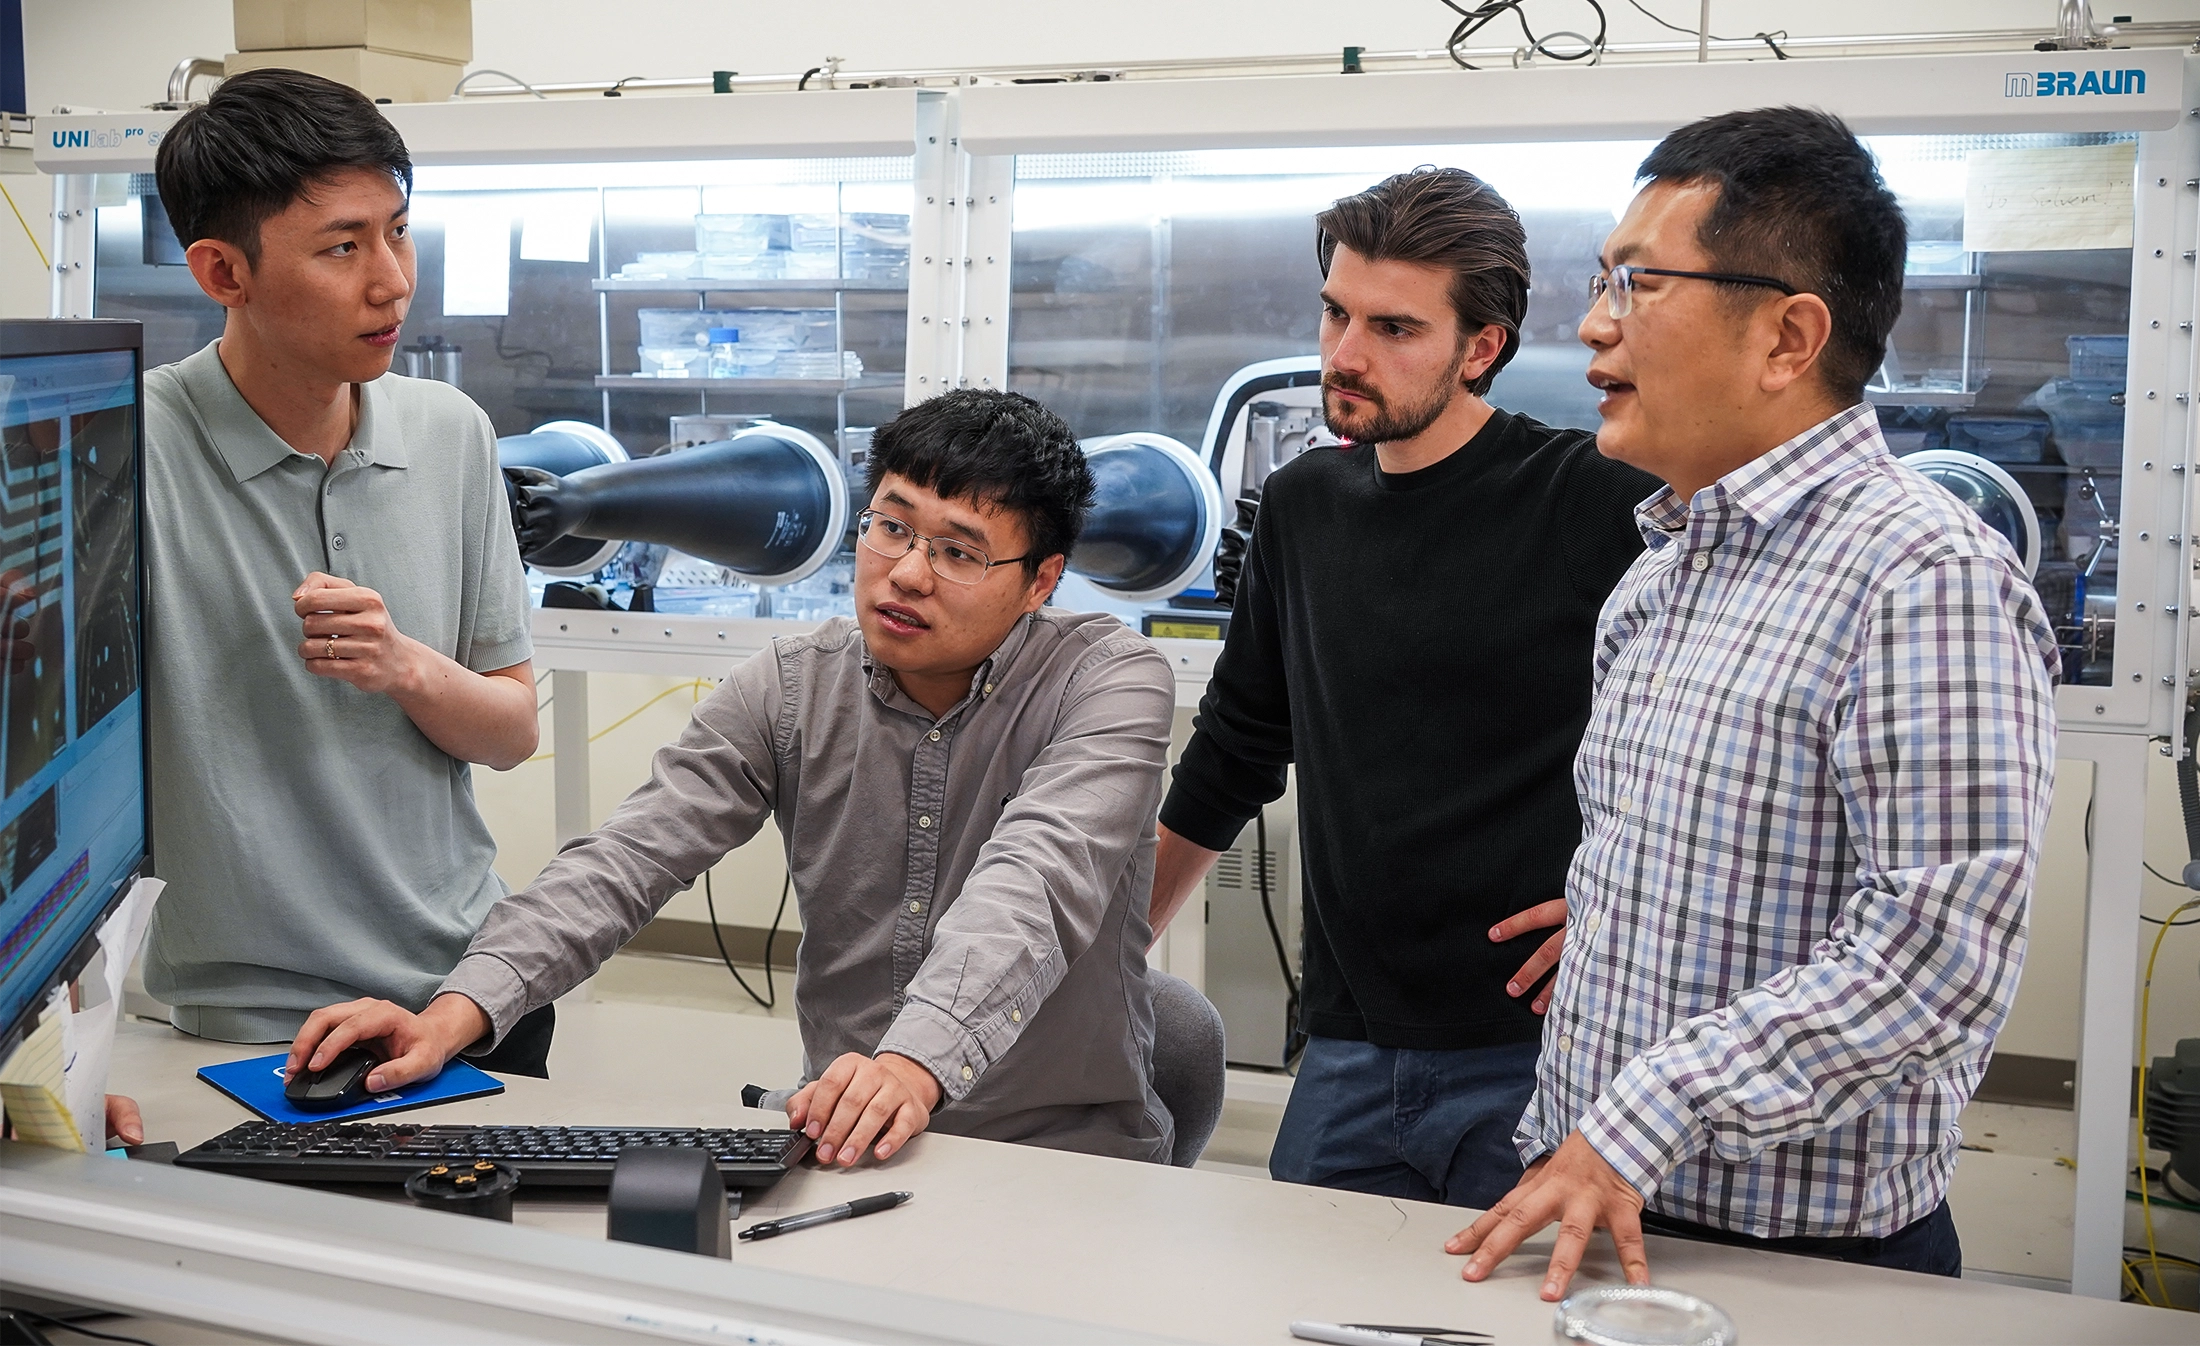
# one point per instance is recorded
(31, 1085)
(2041, 200)
(88, 1036)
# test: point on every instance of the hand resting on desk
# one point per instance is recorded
(413, 1046)
(1574, 1188)
(857, 1097)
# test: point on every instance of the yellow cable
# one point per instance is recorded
(2146, 998)
(698, 684)
(2131, 1278)
(26, 227)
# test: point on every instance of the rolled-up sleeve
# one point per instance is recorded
(709, 791)
(1044, 881)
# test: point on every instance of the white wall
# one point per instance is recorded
(117, 53)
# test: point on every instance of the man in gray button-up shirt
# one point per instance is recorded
(966, 781)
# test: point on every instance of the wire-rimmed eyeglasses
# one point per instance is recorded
(1617, 286)
(950, 559)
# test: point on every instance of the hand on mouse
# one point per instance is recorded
(859, 1096)
(368, 651)
(413, 1046)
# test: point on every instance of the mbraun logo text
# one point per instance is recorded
(2072, 83)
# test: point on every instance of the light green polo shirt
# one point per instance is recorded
(317, 847)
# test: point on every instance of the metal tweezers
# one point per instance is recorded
(1430, 1336)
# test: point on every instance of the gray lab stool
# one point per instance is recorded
(1187, 1062)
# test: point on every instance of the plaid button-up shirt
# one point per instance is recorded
(1812, 790)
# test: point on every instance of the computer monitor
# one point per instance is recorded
(72, 708)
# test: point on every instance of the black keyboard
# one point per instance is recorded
(546, 1156)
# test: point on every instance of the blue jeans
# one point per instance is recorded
(1423, 1125)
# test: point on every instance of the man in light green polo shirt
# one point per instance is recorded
(337, 617)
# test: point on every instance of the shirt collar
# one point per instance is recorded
(248, 447)
(1766, 488)
(985, 680)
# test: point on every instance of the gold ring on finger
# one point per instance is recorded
(331, 647)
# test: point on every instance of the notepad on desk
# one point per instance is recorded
(258, 1084)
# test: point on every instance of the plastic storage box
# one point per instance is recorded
(770, 342)
(2001, 439)
(2088, 419)
(2099, 357)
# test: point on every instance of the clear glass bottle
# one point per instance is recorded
(725, 352)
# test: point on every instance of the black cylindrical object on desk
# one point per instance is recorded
(669, 1196)
(480, 1188)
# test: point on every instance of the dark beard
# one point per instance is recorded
(1381, 423)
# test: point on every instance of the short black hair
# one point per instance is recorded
(1447, 218)
(263, 141)
(1000, 449)
(1800, 200)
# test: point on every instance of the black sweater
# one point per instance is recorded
(1419, 644)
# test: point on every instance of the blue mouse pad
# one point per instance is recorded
(258, 1084)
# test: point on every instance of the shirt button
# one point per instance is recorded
(968, 1072)
(1566, 1043)
(934, 736)
(916, 906)
(1657, 679)
(337, 542)
(1015, 1016)
(988, 690)
(1701, 562)
(924, 820)
(1625, 805)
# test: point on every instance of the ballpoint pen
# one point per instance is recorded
(846, 1210)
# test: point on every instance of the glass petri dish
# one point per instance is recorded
(1642, 1315)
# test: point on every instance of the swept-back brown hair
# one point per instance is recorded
(1448, 218)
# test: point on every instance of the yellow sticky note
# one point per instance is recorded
(2037, 200)
(31, 1090)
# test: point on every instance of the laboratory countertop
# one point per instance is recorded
(1200, 1256)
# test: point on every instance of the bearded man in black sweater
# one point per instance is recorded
(1412, 628)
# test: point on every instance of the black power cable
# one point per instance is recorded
(2150, 920)
(2156, 920)
(1295, 1040)
(1767, 38)
(770, 998)
(58, 1325)
(1474, 20)
(549, 361)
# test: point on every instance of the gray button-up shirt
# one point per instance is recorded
(973, 887)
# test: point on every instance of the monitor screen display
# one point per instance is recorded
(72, 739)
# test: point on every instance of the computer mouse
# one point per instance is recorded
(340, 1084)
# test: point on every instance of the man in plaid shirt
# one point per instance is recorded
(1818, 761)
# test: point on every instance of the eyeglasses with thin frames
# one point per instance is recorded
(957, 562)
(1617, 286)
